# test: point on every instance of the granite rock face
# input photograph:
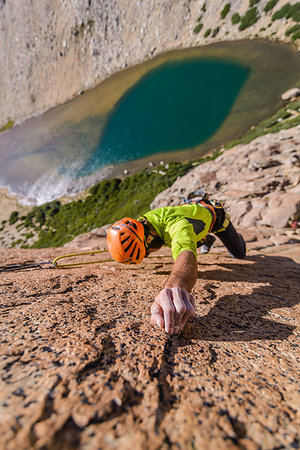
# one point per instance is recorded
(82, 367)
(259, 181)
(51, 51)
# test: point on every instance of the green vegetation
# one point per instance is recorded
(289, 12)
(198, 28)
(78, 30)
(236, 18)
(270, 5)
(207, 32)
(253, 2)
(296, 36)
(225, 10)
(294, 12)
(14, 217)
(216, 31)
(203, 7)
(249, 18)
(3, 223)
(272, 125)
(7, 126)
(292, 30)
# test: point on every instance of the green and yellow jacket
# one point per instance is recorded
(181, 227)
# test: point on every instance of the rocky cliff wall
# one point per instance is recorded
(52, 50)
(262, 185)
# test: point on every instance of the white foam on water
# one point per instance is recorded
(53, 185)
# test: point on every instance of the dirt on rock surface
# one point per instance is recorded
(82, 367)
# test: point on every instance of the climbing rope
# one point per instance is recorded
(24, 265)
(54, 265)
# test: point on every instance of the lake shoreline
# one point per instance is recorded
(32, 151)
(286, 117)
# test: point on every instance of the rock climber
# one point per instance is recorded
(183, 228)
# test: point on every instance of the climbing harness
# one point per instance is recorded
(217, 209)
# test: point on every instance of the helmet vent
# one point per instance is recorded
(138, 254)
(131, 254)
(134, 225)
(128, 246)
(125, 240)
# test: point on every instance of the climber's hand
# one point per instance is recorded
(172, 308)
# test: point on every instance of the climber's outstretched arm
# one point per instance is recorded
(174, 305)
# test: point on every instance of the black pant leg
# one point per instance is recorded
(233, 241)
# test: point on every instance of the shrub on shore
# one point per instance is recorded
(216, 31)
(253, 2)
(270, 5)
(296, 35)
(225, 10)
(236, 18)
(198, 28)
(289, 12)
(14, 217)
(249, 18)
(294, 31)
(7, 126)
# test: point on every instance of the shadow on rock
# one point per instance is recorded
(164, 374)
(238, 317)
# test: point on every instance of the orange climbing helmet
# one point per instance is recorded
(126, 241)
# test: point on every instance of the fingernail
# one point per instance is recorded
(176, 329)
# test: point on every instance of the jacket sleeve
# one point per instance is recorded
(182, 237)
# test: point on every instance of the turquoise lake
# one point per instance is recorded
(176, 106)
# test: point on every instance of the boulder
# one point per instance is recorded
(290, 94)
(281, 209)
(238, 209)
(253, 215)
(93, 239)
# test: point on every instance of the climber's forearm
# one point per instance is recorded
(184, 272)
